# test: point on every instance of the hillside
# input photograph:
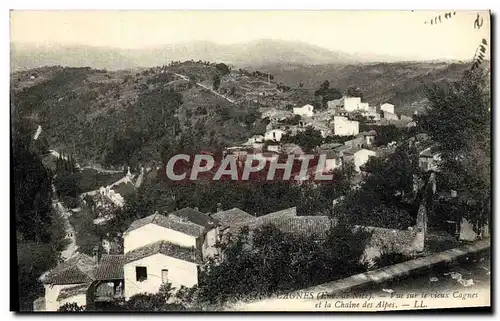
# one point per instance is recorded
(133, 117)
(115, 118)
(400, 83)
(255, 53)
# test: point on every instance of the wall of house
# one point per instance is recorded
(390, 116)
(306, 110)
(363, 106)
(80, 299)
(208, 248)
(332, 164)
(356, 142)
(351, 103)
(344, 127)
(361, 157)
(274, 134)
(388, 108)
(152, 233)
(179, 273)
(51, 294)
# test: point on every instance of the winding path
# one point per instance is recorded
(186, 78)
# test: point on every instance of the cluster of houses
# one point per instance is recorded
(173, 247)
(336, 120)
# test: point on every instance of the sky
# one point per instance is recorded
(394, 33)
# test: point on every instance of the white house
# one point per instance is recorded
(167, 248)
(390, 116)
(68, 282)
(345, 127)
(255, 139)
(351, 103)
(359, 156)
(274, 135)
(387, 107)
(307, 110)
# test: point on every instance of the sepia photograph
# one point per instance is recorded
(250, 160)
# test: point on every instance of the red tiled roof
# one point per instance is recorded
(79, 269)
(166, 248)
(299, 225)
(110, 267)
(171, 222)
(233, 216)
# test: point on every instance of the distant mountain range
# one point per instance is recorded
(255, 53)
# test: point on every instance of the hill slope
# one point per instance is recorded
(400, 83)
(132, 117)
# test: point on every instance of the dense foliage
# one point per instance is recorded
(386, 197)
(459, 121)
(269, 261)
(39, 231)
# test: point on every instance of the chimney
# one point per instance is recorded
(219, 207)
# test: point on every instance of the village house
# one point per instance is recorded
(429, 160)
(231, 218)
(274, 135)
(306, 110)
(345, 127)
(167, 248)
(117, 190)
(348, 104)
(358, 141)
(369, 138)
(358, 156)
(68, 282)
(390, 116)
(255, 139)
(387, 108)
(333, 156)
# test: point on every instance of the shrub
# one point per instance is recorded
(72, 307)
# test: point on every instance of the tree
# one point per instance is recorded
(222, 68)
(308, 139)
(268, 261)
(354, 91)
(66, 185)
(326, 94)
(386, 197)
(216, 82)
(458, 120)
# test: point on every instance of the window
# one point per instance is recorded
(141, 273)
(164, 276)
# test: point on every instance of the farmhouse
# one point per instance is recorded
(68, 282)
(167, 248)
(306, 110)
